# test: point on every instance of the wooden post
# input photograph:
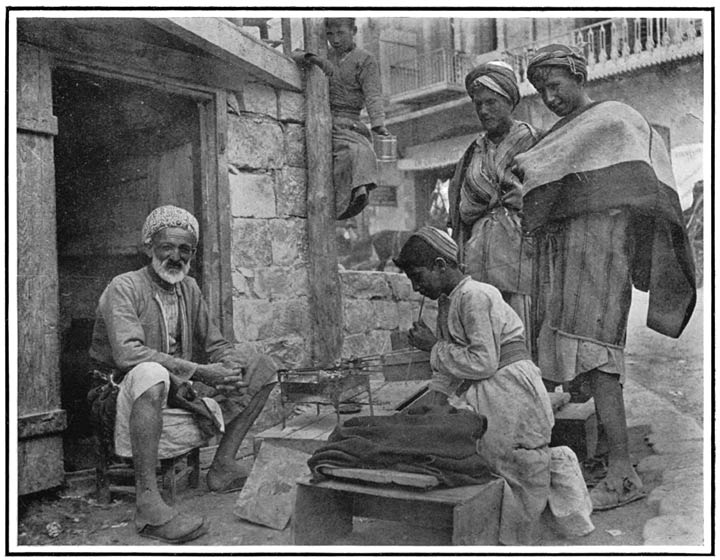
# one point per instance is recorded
(286, 29)
(325, 299)
(40, 418)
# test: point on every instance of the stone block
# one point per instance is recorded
(289, 318)
(691, 488)
(668, 446)
(407, 313)
(278, 283)
(378, 343)
(288, 239)
(291, 106)
(252, 318)
(268, 496)
(255, 142)
(357, 315)
(251, 246)
(653, 463)
(356, 345)
(290, 351)
(365, 285)
(295, 145)
(679, 475)
(682, 499)
(273, 283)
(300, 281)
(674, 530)
(260, 98)
(401, 286)
(673, 427)
(291, 192)
(386, 314)
(252, 195)
(240, 284)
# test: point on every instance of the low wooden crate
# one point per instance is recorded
(407, 364)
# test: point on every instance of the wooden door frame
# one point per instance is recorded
(214, 211)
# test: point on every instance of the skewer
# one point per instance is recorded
(422, 302)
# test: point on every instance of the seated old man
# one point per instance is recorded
(146, 326)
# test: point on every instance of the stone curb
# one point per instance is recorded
(676, 441)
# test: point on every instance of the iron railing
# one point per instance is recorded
(620, 44)
(433, 68)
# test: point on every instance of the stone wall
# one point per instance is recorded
(376, 305)
(267, 177)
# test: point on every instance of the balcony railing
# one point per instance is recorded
(621, 44)
(429, 75)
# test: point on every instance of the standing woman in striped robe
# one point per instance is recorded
(486, 195)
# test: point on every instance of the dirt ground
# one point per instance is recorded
(670, 368)
(84, 522)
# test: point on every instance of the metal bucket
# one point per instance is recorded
(385, 147)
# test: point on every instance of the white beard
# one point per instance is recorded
(171, 276)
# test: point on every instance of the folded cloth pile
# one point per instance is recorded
(441, 445)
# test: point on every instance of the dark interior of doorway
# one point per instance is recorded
(121, 150)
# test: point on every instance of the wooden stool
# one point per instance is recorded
(107, 469)
(324, 511)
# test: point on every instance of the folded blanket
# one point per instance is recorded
(441, 445)
(608, 156)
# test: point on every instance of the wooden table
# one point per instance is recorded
(469, 515)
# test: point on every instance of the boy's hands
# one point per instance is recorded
(421, 337)
(322, 63)
(380, 130)
(304, 59)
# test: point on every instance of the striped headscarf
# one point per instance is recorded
(563, 56)
(415, 251)
(169, 216)
(497, 76)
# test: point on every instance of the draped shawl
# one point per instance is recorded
(608, 156)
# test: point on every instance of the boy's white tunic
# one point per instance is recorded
(473, 323)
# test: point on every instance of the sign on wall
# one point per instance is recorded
(384, 195)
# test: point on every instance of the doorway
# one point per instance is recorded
(122, 149)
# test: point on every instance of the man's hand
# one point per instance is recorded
(222, 377)
(380, 130)
(421, 337)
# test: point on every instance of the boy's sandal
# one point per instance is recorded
(181, 528)
(604, 498)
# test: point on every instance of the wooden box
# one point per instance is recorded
(576, 427)
(468, 515)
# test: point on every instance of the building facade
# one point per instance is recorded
(116, 116)
(653, 64)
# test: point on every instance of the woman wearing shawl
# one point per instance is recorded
(600, 200)
(485, 194)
